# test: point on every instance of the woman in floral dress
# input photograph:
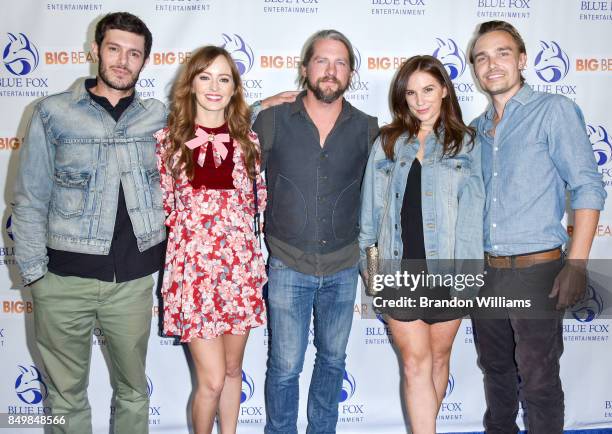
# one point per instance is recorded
(212, 287)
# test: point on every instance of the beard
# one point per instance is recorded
(326, 96)
(127, 83)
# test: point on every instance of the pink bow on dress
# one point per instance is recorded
(217, 141)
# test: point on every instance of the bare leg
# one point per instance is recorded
(229, 402)
(442, 336)
(412, 340)
(209, 361)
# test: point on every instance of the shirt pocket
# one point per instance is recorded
(455, 173)
(345, 215)
(70, 192)
(153, 179)
(383, 170)
(384, 167)
(289, 211)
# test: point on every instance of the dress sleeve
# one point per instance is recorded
(261, 185)
(166, 179)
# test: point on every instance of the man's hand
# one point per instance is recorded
(279, 98)
(570, 284)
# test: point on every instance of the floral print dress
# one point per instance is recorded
(214, 270)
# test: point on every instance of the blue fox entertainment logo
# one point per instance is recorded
(29, 386)
(601, 144)
(9, 227)
(552, 64)
(450, 387)
(149, 387)
(451, 56)
(357, 59)
(349, 385)
(248, 388)
(356, 79)
(239, 50)
(590, 308)
(20, 56)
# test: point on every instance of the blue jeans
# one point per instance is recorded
(292, 296)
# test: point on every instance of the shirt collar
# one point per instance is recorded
(80, 92)
(521, 97)
(121, 105)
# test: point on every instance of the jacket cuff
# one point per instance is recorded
(34, 273)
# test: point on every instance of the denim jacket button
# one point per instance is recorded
(403, 163)
(395, 252)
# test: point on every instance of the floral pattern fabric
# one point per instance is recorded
(214, 270)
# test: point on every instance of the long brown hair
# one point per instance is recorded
(181, 120)
(450, 122)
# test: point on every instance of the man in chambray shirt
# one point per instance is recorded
(534, 148)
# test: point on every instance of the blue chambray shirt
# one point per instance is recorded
(540, 149)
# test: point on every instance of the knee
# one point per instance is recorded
(233, 371)
(331, 347)
(286, 362)
(441, 359)
(417, 366)
(542, 380)
(331, 357)
(131, 392)
(211, 386)
(493, 365)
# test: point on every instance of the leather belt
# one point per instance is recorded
(522, 261)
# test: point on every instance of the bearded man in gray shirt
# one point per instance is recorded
(315, 151)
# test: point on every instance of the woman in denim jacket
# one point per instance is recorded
(422, 202)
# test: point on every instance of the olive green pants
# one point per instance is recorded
(65, 312)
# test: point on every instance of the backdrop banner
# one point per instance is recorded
(46, 46)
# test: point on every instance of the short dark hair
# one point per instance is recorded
(308, 50)
(127, 22)
(493, 26)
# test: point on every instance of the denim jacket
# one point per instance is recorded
(452, 193)
(71, 165)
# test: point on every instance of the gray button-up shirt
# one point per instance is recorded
(312, 219)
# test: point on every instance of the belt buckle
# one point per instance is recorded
(504, 261)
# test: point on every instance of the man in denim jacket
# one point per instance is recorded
(534, 148)
(88, 226)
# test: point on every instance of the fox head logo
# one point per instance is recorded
(552, 64)
(20, 56)
(451, 56)
(240, 51)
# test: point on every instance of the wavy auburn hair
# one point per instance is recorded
(181, 120)
(450, 123)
